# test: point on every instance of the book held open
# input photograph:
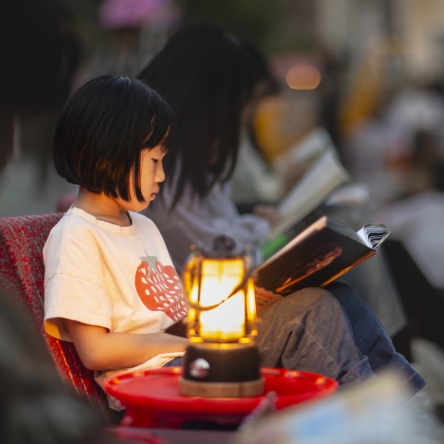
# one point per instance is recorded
(324, 175)
(321, 253)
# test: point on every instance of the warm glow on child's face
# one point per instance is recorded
(151, 174)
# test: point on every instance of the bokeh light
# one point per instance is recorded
(303, 76)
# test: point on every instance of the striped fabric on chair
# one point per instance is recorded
(21, 280)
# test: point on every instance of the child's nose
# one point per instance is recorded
(160, 173)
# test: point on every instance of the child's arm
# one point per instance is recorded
(99, 349)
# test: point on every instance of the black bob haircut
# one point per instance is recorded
(207, 76)
(102, 130)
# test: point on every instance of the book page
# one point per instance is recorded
(305, 151)
(374, 234)
(319, 254)
(318, 225)
(314, 187)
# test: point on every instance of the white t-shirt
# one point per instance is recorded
(119, 278)
(253, 180)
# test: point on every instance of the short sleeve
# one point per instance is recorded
(74, 282)
(77, 299)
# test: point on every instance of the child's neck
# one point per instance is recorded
(103, 208)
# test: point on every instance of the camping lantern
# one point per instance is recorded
(222, 359)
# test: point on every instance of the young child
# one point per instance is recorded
(110, 286)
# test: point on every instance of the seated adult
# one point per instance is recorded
(212, 84)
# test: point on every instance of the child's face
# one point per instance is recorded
(151, 173)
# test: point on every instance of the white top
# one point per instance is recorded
(194, 221)
(418, 221)
(119, 278)
(253, 180)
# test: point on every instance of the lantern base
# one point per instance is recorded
(221, 371)
(221, 389)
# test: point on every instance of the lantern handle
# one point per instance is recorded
(211, 307)
(248, 273)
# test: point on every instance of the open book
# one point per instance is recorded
(317, 256)
(324, 174)
(321, 253)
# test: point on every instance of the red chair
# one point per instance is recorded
(21, 279)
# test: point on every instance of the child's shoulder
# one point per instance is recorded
(144, 221)
(77, 222)
(70, 234)
(73, 222)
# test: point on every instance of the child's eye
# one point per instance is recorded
(155, 160)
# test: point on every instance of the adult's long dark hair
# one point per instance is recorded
(207, 76)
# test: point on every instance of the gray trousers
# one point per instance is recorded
(333, 333)
(307, 330)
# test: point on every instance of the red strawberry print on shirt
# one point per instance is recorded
(159, 288)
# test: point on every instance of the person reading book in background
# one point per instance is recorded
(306, 182)
(103, 259)
(256, 180)
(211, 82)
(416, 218)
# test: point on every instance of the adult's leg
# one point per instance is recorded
(372, 280)
(371, 338)
(307, 330)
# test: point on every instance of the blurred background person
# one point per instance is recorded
(416, 218)
(135, 30)
(39, 54)
(212, 84)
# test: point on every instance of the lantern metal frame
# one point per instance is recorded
(217, 365)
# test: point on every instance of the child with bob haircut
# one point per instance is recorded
(110, 286)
